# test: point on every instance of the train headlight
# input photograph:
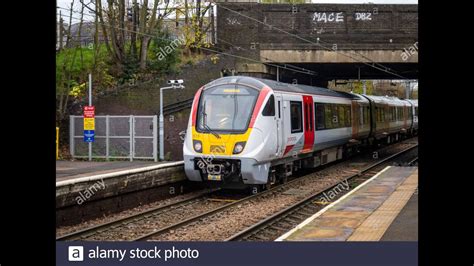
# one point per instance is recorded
(239, 147)
(197, 144)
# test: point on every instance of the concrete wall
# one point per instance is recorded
(67, 195)
(380, 32)
(312, 56)
(375, 27)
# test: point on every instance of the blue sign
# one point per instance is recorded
(89, 135)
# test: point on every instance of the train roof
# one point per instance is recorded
(387, 100)
(280, 86)
(413, 101)
(300, 88)
(360, 98)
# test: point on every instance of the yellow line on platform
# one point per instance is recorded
(287, 235)
(374, 227)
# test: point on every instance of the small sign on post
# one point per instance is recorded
(89, 123)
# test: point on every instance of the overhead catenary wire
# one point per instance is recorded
(309, 41)
(284, 64)
(306, 71)
(318, 40)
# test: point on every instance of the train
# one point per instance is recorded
(252, 132)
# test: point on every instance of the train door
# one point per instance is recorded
(308, 115)
(356, 114)
(405, 117)
(279, 123)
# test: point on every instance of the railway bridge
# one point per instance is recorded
(332, 41)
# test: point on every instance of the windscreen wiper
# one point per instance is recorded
(204, 124)
(211, 131)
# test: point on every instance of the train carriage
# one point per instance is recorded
(248, 131)
(414, 107)
(391, 117)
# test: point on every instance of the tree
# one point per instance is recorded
(196, 23)
(116, 32)
(358, 87)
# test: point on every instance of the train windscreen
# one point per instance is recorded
(226, 108)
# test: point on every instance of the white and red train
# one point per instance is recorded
(248, 131)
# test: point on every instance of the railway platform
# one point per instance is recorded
(79, 181)
(383, 208)
(76, 169)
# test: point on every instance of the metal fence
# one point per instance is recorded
(127, 137)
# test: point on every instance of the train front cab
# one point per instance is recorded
(226, 140)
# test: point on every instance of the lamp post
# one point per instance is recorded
(175, 84)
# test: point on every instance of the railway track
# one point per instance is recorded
(164, 221)
(121, 224)
(272, 227)
(414, 161)
(199, 226)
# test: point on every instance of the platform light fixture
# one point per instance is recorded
(175, 84)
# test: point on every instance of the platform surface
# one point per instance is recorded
(375, 211)
(75, 169)
(405, 226)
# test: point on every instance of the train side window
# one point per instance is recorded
(347, 109)
(279, 108)
(296, 117)
(416, 111)
(269, 109)
(361, 115)
(341, 115)
(309, 118)
(335, 117)
(319, 116)
(328, 115)
(306, 117)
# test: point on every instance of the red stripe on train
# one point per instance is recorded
(308, 106)
(258, 105)
(195, 106)
(288, 148)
